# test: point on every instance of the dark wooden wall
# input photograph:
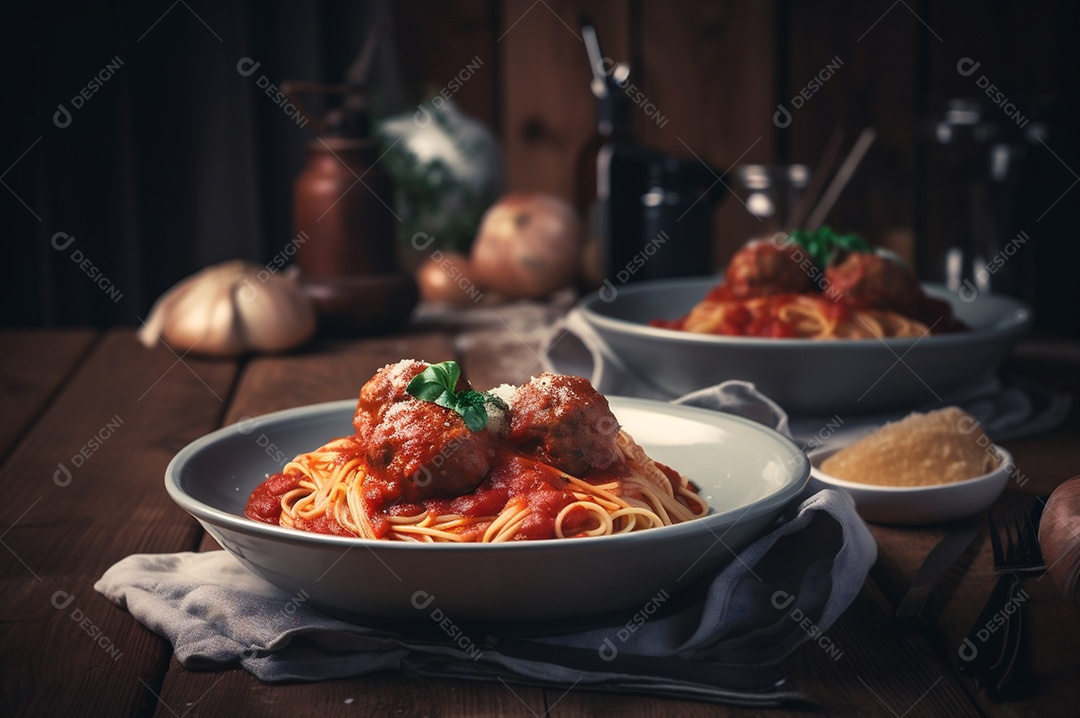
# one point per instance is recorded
(717, 71)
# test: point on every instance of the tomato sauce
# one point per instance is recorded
(542, 487)
(515, 477)
(678, 324)
(264, 504)
(324, 524)
(763, 320)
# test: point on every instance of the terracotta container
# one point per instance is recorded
(342, 202)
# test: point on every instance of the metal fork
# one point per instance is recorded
(990, 653)
(1022, 557)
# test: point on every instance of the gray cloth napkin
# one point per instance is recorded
(715, 642)
(1005, 411)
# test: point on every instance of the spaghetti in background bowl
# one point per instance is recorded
(805, 376)
(747, 473)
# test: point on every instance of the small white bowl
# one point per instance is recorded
(914, 505)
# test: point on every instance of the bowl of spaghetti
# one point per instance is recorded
(543, 502)
(851, 333)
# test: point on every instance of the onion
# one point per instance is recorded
(528, 245)
(1059, 538)
(447, 277)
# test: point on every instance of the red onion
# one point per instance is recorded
(447, 277)
(528, 245)
(1059, 538)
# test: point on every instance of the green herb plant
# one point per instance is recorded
(437, 384)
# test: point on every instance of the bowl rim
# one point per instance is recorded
(1016, 318)
(205, 513)
(1005, 460)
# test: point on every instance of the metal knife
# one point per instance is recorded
(937, 562)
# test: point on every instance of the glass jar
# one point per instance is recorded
(770, 195)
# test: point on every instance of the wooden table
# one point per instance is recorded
(91, 419)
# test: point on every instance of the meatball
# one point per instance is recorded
(416, 448)
(427, 451)
(761, 268)
(938, 315)
(565, 422)
(880, 282)
(387, 387)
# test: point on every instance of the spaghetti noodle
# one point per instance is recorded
(816, 286)
(802, 316)
(582, 475)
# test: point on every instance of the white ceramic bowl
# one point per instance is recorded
(747, 473)
(806, 377)
(917, 505)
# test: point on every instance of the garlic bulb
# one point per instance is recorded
(230, 309)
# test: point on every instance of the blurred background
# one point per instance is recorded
(140, 142)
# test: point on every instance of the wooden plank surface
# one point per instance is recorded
(33, 367)
(156, 405)
(710, 70)
(328, 372)
(84, 490)
(548, 108)
(953, 609)
(437, 44)
(238, 693)
(1051, 457)
(891, 671)
(867, 41)
(877, 670)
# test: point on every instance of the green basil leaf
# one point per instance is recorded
(471, 397)
(437, 385)
(475, 416)
(424, 390)
(430, 383)
(448, 373)
(447, 400)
